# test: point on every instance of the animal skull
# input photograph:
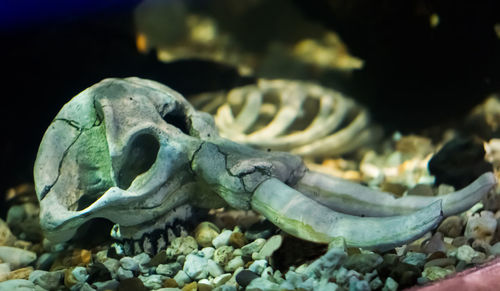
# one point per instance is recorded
(134, 151)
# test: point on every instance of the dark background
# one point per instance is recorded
(414, 76)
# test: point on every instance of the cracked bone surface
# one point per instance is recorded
(303, 118)
(134, 151)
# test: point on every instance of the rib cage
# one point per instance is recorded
(300, 117)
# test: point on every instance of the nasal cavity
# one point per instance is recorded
(178, 118)
(142, 154)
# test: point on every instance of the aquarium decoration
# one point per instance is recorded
(135, 152)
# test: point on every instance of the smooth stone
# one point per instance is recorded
(442, 262)
(252, 247)
(459, 241)
(132, 284)
(17, 258)
(106, 285)
(123, 274)
(415, 259)
(214, 269)
(47, 280)
(222, 239)
(129, 263)
(17, 285)
(196, 267)
(271, 245)
(23, 220)
(208, 252)
(434, 244)
(390, 285)
(245, 277)
(181, 278)
(223, 254)
(4, 268)
(168, 269)
(142, 259)
(261, 284)
(452, 226)
(234, 264)
(222, 279)
(363, 263)
(237, 240)
(466, 253)
(205, 285)
(152, 281)
(435, 273)
(481, 246)
(205, 233)
(258, 266)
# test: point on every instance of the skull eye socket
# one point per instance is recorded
(141, 156)
(177, 117)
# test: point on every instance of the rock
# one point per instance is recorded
(245, 277)
(73, 276)
(193, 286)
(196, 267)
(363, 263)
(376, 283)
(214, 269)
(47, 280)
(237, 240)
(225, 287)
(495, 249)
(78, 257)
(183, 245)
(205, 232)
(222, 279)
(45, 261)
(4, 268)
(481, 226)
(252, 247)
(123, 274)
(390, 285)
(128, 263)
(459, 241)
(152, 281)
(142, 259)
(112, 265)
(442, 262)
(466, 253)
(222, 239)
(6, 236)
(159, 258)
(261, 284)
(98, 273)
(17, 258)
(415, 259)
(451, 226)
(263, 229)
(271, 245)
(170, 282)
(168, 269)
(23, 220)
(223, 254)
(132, 284)
(204, 285)
(435, 273)
(208, 252)
(434, 244)
(234, 264)
(258, 266)
(182, 278)
(18, 285)
(22, 273)
(481, 246)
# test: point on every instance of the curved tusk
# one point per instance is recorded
(305, 218)
(348, 197)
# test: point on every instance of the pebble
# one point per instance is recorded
(193, 286)
(183, 245)
(442, 262)
(363, 263)
(112, 265)
(435, 273)
(129, 263)
(214, 269)
(18, 285)
(267, 250)
(170, 282)
(204, 285)
(261, 284)
(495, 249)
(159, 258)
(122, 273)
(6, 236)
(245, 277)
(208, 252)
(415, 259)
(142, 259)
(237, 240)
(152, 281)
(196, 267)
(481, 226)
(78, 257)
(459, 241)
(205, 233)
(223, 278)
(223, 254)
(452, 226)
(222, 239)
(234, 264)
(390, 285)
(23, 220)
(73, 276)
(434, 244)
(17, 258)
(22, 273)
(46, 280)
(132, 284)
(258, 266)
(168, 269)
(107, 285)
(182, 278)
(466, 253)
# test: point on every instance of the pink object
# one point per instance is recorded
(480, 278)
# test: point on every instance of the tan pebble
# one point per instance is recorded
(22, 244)
(451, 226)
(22, 273)
(6, 236)
(69, 279)
(237, 240)
(394, 188)
(193, 286)
(205, 232)
(170, 283)
(81, 257)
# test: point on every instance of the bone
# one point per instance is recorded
(352, 198)
(303, 217)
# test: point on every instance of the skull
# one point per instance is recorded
(126, 150)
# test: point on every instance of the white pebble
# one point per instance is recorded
(481, 226)
(258, 266)
(182, 278)
(17, 258)
(214, 269)
(129, 263)
(222, 239)
(196, 267)
(208, 252)
(221, 279)
(234, 264)
(124, 274)
(466, 253)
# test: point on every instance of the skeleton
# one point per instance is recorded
(299, 117)
(135, 152)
